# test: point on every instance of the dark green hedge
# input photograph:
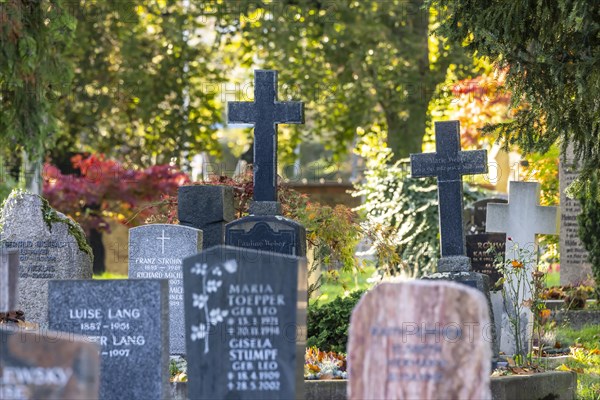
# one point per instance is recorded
(328, 323)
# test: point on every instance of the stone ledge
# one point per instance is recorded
(556, 385)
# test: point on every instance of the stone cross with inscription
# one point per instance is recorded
(521, 219)
(265, 112)
(449, 164)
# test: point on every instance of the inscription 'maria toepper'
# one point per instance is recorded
(245, 324)
(129, 320)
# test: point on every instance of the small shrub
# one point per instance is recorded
(328, 323)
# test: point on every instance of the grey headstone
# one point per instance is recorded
(130, 321)
(575, 267)
(483, 260)
(449, 164)
(9, 270)
(265, 112)
(48, 366)
(245, 324)
(50, 245)
(267, 233)
(208, 208)
(157, 252)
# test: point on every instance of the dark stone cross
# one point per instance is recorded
(265, 112)
(449, 164)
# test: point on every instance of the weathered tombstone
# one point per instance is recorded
(245, 324)
(50, 246)
(130, 321)
(265, 229)
(53, 365)
(156, 252)
(9, 269)
(436, 345)
(521, 219)
(208, 208)
(575, 267)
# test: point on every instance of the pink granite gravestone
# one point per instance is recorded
(420, 340)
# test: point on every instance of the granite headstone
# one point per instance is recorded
(575, 267)
(436, 345)
(521, 220)
(9, 270)
(157, 251)
(50, 246)
(265, 229)
(48, 366)
(245, 324)
(208, 208)
(129, 320)
(482, 250)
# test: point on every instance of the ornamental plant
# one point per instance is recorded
(589, 223)
(104, 189)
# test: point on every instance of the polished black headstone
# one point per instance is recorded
(478, 211)
(482, 260)
(449, 164)
(129, 319)
(265, 112)
(245, 314)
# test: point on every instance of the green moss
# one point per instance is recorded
(51, 216)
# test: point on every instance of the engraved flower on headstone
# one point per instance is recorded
(200, 300)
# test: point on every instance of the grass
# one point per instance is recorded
(585, 359)
(346, 282)
(109, 275)
(553, 279)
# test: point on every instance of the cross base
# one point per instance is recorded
(454, 264)
(265, 208)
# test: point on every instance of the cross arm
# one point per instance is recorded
(497, 218)
(241, 112)
(548, 220)
(289, 112)
(422, 165)
(473, 162)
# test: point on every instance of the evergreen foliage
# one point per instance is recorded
(551, 52)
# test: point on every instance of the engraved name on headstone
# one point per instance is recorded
(129, 320)
(50, 246)
(436, 345)
(156, 252)
(245, 324)
(48, 366)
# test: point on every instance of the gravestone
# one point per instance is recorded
(265, 229)
(521, 219)
(245, 324)
(156, 252)
(48, 366)
(50, 246)
(436, 345)
(448, 164)
(208, 208)
(9, 270)
(478, 210)
(483, 259)
(575, 267)
(129, 320)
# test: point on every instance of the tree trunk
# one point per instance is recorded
(406, 136)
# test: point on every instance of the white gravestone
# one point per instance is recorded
(522, 218)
